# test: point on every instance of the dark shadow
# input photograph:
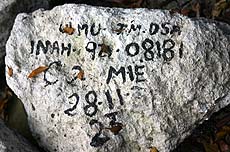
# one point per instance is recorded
(17, 120)
(207, 129)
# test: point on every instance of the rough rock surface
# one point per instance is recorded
(117, 79)
(10, 141)
(8, 11)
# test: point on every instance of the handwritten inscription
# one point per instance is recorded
(149, 50)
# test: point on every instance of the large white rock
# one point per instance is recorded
(149, 76)
(8, 11)
(11, 141)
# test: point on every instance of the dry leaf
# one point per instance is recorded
(116, 128)
(153, 149)
(210, 147)
(196, 8)
(37, 71)
(220, 135)
(219, 7)
(10, 71)
(69, 30)
(225, 130)
(80, 75)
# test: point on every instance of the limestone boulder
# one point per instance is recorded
(110, 79)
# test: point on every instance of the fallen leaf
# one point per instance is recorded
(37, 71)
(116, 128)
(80, 75)
(220, 135)
(10, 71)
(69, 30)
(210, 147)
(225, 130)
(218, 8)
(153, 149)
(196, 8)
